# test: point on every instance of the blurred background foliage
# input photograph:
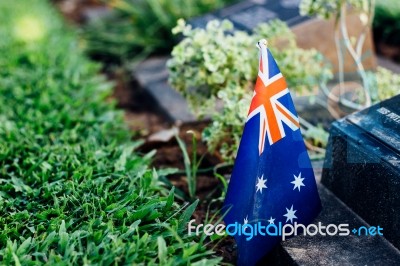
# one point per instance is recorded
(386, 25)
(137, 28)
(387, 21)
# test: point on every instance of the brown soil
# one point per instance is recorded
(389, 51)
(141, 117)
(139, 111)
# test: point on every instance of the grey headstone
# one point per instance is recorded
(152, 75)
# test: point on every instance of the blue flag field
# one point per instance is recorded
(272, 180)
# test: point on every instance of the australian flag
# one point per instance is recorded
(272, 181)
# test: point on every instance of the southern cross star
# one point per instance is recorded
(261, 184)
(271, 220)
(290, 214)
(298, 182)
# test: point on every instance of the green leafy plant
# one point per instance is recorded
(136, 28)
(191, 164)
(73, 190)
(217, 66)
(331, 8)
(387, 84)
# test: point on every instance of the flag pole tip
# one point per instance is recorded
(262, 43)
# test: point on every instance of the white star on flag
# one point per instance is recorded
(246, 221)
(271, 220)
(298, 182)
(290, 214)
(261, 184)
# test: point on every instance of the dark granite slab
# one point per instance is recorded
(382, 122)
(362, 165)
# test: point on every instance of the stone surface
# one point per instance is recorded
(362, 165)
(152, 75)
(335, 250)
(164, 135)
(94, 14)
(388, 64)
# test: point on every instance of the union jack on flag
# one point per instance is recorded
(272, 180)
(270, 87)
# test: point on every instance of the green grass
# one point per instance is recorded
(72, 189)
